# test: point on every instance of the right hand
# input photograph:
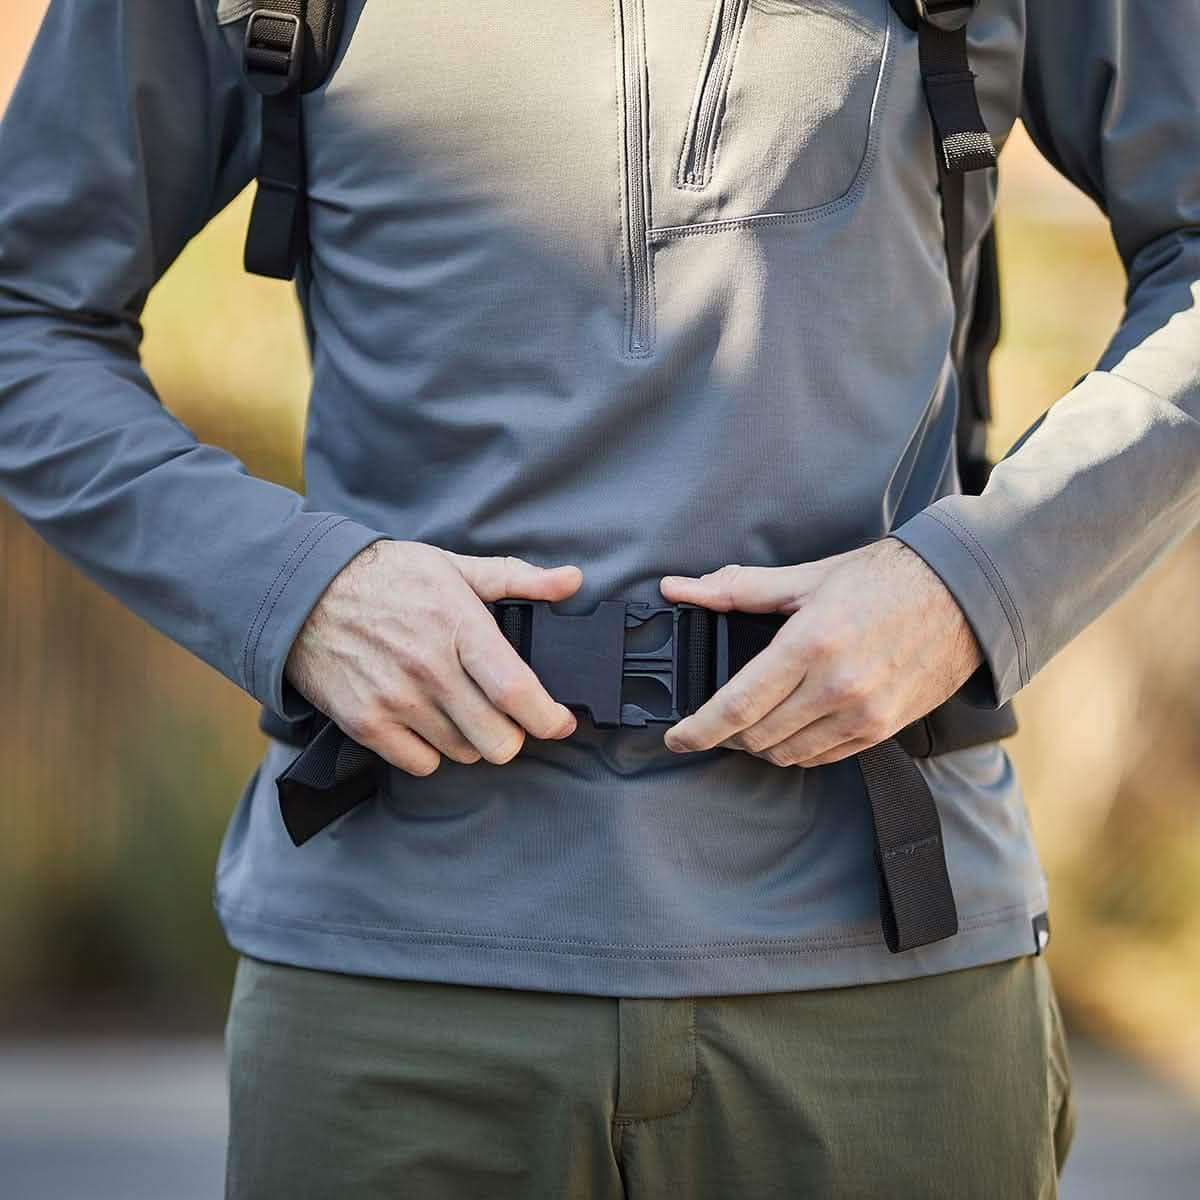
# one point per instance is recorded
(402, 654)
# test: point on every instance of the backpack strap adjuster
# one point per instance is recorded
(273, 51)
(947, 15)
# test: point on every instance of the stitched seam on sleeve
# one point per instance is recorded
(992, 574)
(247, 656)
(283, 588)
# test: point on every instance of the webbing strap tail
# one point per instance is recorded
(916, 902)
(962, 144)
(962, 141)
(274, 60)
(276, 230)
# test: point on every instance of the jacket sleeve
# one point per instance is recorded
(130, 126)
(1096, 491)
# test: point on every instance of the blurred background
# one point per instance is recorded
(122, 757)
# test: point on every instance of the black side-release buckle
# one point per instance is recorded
(273, 50)
(628, 662)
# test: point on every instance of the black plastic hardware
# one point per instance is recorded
(270, 66)
(945, 14)
(624, 662)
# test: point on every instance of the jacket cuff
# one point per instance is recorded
(300, 582)
(963, 565)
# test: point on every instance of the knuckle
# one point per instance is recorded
(368, 728)
(825, 643)
(851, 691)
(425, 670)
(863, 716)
(408, 754)
(727, 579)
(740, 707)
(754, 740)
(780, 756)
(514, 692)
(792, 651)
(874, 724)
(510, 569)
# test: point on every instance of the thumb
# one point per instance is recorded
(504, 578)
(743, 589)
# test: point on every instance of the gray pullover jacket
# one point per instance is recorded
(567, 303)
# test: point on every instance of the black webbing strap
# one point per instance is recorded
(333, 774)
(961, 144)
(274, 59)
(961, 140)
(982, 334)
(916, 903)
(276, 227)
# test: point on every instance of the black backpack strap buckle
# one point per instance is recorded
(273, 50)
(627, 662)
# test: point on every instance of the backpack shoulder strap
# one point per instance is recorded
(961, 144)
(289, 50)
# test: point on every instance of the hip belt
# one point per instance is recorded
(634, 663)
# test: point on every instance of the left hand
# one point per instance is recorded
(874, 641)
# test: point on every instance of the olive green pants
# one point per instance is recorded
(952, 1085)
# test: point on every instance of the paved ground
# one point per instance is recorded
(146, 1121)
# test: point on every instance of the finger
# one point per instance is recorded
(506, 679)
(502, 578)
(845, 749)
(438, 728)
(498, 738)
(405, 750)
(798, 746)
(837, 753)
(764, 682)
(806, 711)
(741, 589)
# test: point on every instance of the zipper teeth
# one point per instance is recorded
(640, 335)
(717, 70)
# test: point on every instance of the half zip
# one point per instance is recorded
(639, 305)
(700, 141)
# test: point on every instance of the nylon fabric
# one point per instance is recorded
(916, 902)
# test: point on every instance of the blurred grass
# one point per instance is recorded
(123, 755)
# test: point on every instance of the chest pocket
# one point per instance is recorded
(766, 106)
